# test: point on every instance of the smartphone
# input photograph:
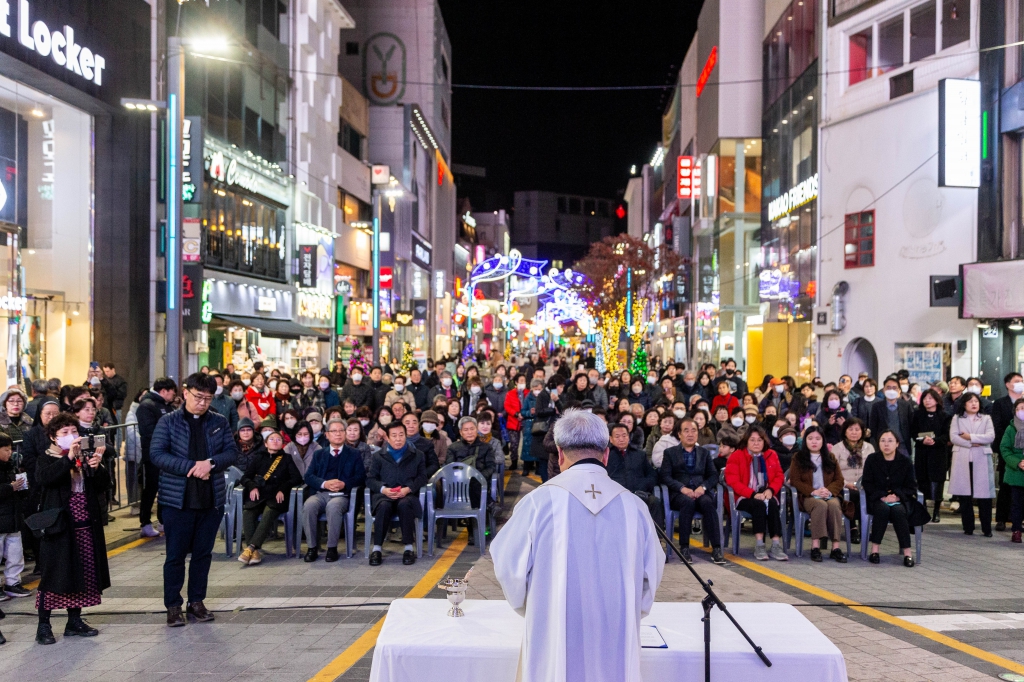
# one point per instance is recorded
(99, 441)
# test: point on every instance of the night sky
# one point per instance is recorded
(574, 142)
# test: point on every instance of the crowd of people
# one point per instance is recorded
(335, 431)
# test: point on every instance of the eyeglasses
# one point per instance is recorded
(201, 398)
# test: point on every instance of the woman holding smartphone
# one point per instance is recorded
(72, 551)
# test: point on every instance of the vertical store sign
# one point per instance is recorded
(960, 133)
(191, 159)
(307, 266)
(705, 73)
(684, 175)
(440, 283)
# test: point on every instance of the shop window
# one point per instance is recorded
(574, 206)
(890, 44)
(243, 234)
(956, 22)
(861, 49)
(350, 140)
(860, 240)
(922, 31)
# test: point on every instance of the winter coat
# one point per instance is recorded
(420, 394)
(309, 398)
(477, 454)
(803, 478)
(861, 408)
(410, 471)
(513, 407)
(976, 451)
(496, 397)
(630, 469)
(930, 461)
(263, 402)
(13, 427)
(132, 444)
(643, 399)
(737, 473)
(11, 512)
(450, 393)
(301, 461)
(441, 443)
(544, 413)
(729, 402)
(394, 396)
(61, 566)
(353, 472)
(151, 408)
(878, 422)
(426, 447)
(224, 406)
(652, 438)
(1013, 456)
(851, 474)
(331, 398)
(781, 401)
(664, 443)
(361, 394)
(673, 473)
(169, 452)
(896, 477)
(284, 477)
(833, 431)
(115, 391)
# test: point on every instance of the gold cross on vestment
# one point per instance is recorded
(593, 493)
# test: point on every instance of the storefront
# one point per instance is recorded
(993, 296)
(314, 247)
(73, 284)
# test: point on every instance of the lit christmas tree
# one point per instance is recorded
(358, 360)
(639, 365)
(408, 361)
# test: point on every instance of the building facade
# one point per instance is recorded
(560, 227)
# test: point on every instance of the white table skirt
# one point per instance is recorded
(420, 643)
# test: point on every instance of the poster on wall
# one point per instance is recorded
(927, 363)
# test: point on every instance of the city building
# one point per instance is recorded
(398, 54)
(559, 227)
(886, 226)
(75, 194)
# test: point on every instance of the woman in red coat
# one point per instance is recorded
(260, 397)
(755, 476)
(513, 406)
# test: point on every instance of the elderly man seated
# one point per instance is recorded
(470, 449)
(689, 472)
(335, 472)
(628, 466)
(397, 473)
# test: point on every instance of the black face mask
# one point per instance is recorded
(729, 372)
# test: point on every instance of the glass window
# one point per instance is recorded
(243, 234)
(574, 206)
(890, 44)
(589, 208)
(561, 204)
(956, 22)
(861, 47)
(922, 31)
(860, 240)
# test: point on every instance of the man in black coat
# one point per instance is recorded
(1002, 416)
(155, 404)
(396, 475)
(737, 386)
(380, 389)
(689, 472)
(115, 389)
(358, 390)
(628, 466)
(418, 390)
(892, 413)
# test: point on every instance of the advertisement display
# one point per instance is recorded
(959, 133)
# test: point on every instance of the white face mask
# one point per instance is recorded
(904, 387)
(302, 440)
(220, 389)
(290, 423)
(273, 385)
(497, 384)
(64, 442)
(833, 404)
(324, 385)
(266, 432)
(429, 428)
(679, 413)
(789, 440)
(737, 421)
(246, 382)
(384, 419)
(750, 419)
(316, 426)
(521, 387)
(1018, 387)
(781, 388)
(689, 383)
(536, 391)
(364, 422)
(705, 408)
(356, 378)
(976, 390)
(475, 390)
(446, 382)
(592, 381)
(237, 395)
(651, 379)
(400, 387)
(891, 394)
(637, 389)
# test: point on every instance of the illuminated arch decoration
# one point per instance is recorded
(498, 268)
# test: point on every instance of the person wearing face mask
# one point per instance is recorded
(777, 395)
(399, 393)
(301, 447)
(1002, 415)
(471, 394)
(224, 404)
(893, 413)
(330, 396)
(737, 386)
(289, 421)
(653, 388)
(495, 392)
(445, 388)
(1011, 451)
(831, 416)
(785, 445)
(734, 426)
(598, 393)
(376, 434)
(637, 395)
(514, 418)
(358, 389)
(430, 430)
(310, 396)
(538, 409)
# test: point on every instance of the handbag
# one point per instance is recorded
(48, 523)
(539, 427)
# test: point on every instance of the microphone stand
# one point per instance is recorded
(709, 601)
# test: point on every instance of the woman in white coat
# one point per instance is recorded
(972, 477)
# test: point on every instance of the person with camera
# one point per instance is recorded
(192, 447)
(72, 547)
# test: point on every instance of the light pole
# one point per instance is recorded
(175, 119)
(392, 192)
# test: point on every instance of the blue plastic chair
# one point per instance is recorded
(737, 517)
(865, 526)
(231, 520)
(291, 546)
(672, 517)
(800, 519)
(368, 522)
(349, 529)
(455, 478)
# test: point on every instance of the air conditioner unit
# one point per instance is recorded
(823, 321)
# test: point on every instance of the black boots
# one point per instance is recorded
(76, 627)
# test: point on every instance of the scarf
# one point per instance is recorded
(396, 454)
(855, 460)
(1019, 440)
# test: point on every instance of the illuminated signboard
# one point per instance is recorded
(796, 197)
(705, 73)
(962, 133)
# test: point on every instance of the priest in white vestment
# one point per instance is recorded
(581, 560)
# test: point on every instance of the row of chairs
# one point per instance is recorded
(457, 505)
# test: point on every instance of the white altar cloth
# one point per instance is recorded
(420, 643)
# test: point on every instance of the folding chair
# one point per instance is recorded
(368, 521)
(865, 526)
(671, 517)
(737, 516)
(800, 519)
(230, 521)
(349, 530)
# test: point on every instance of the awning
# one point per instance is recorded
(277, 329)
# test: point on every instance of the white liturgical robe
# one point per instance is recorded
(581, 560)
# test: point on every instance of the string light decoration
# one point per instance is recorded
(408, 361)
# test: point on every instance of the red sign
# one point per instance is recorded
(620, 212)
(385, 278)
(684, 177)
(705, 73)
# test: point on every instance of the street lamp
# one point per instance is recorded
(392, 191)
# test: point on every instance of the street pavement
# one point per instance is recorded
(956, 616)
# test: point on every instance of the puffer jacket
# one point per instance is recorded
(15, 428)
(169, 452)
(10, 500)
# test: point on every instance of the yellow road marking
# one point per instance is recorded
(934, 636)
(112, 553)
(368, 639)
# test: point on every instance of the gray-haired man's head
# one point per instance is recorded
(580, 435)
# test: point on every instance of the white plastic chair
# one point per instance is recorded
(865, 526)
